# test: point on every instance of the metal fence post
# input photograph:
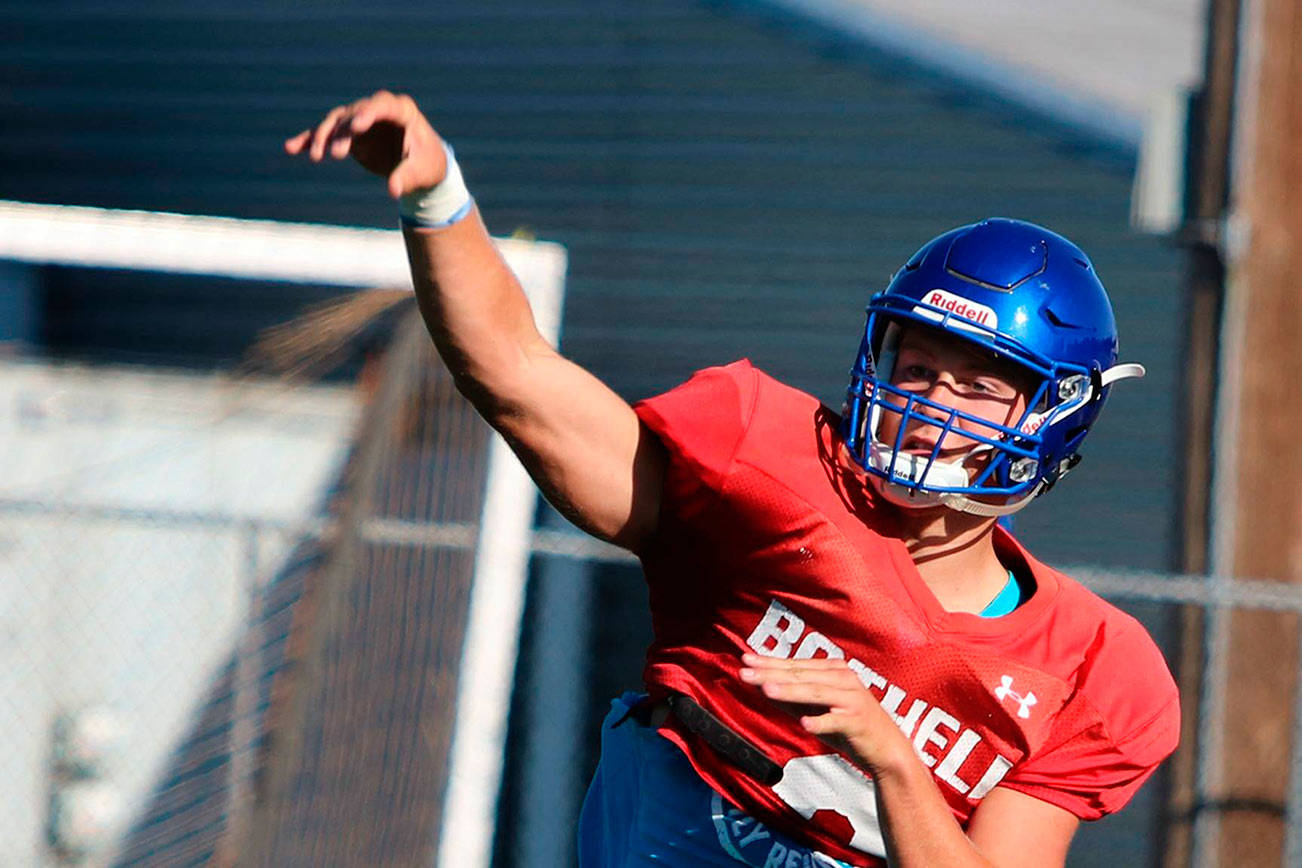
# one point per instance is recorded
(244, 697)
(1293, 808)
(1207, 781)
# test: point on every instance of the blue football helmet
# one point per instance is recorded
(1024, 294)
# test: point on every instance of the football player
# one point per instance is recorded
(853, 662)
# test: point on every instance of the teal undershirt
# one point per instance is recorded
(1006, 600)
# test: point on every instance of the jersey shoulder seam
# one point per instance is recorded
(747, 421)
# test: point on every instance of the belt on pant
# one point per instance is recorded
(718, 735)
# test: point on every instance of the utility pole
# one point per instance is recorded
(1265, 462)
(1206, 202)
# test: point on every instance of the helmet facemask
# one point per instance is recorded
(1004, 463)
(1020, 295)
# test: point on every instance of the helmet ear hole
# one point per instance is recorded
(1073, 436)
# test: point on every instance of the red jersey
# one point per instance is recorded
(768, 540)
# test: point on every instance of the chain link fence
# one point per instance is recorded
(124, 627)
(178, 682)
(122, 615)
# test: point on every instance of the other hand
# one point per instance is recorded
(847, 715)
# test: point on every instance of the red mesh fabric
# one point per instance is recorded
(768, 541)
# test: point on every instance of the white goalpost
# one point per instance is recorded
(39, 234)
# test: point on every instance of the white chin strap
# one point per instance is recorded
(952, 474)
(949, 474)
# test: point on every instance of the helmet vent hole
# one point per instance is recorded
(1081, 262)
(1056, 320)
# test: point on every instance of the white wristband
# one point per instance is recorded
(441, 205)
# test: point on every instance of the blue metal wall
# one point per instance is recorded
(727, 186)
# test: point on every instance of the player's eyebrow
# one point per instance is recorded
(967, 358)
(987, 366)
(915, 340)
(926, 353)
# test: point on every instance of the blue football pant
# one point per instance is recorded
(647, 807)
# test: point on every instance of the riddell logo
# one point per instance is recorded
(1031, 425)
(962, 307)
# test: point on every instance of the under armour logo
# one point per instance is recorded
(1005, 690)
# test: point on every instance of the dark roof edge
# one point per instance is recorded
(1103, 125)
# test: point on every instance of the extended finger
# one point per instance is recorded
(812, 694)
(835, 722)
(379, 106)
(324, 130)
(362, 118)
(340, 145)
(358, 117)
(805, 663)
(295, 144)
(838, 677)
(355, 120)
(405, 178)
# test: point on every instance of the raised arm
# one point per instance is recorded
(580, 441)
